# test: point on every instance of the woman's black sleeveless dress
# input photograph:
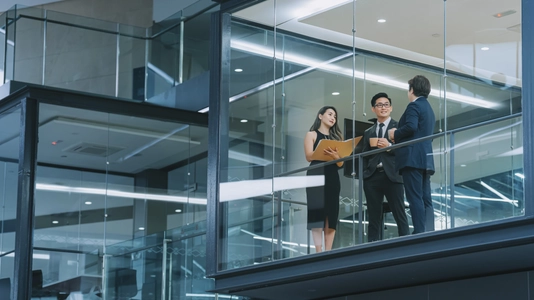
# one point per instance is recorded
(323, 201)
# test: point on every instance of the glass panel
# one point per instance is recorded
(81, 59)
(132, 56)
(70, 200)
(488, 173)
(163, 60)
(196, 46)
(247, 207)
(104, 179)
(2, 45)
(9, 151)
(30, 34)
(10, 47)
(134, 268)
(489, 51)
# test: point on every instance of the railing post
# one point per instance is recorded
(451, 180)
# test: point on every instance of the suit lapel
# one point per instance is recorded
(373, 131)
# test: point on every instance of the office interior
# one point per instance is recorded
(123, 194)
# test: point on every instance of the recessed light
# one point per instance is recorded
(55, 222)
(88, 202)
(141, 228)
(335, 93)
(178, 210)
(484, 48)
(244, 121)
(381, 21)
(463, 166)
(238, 70)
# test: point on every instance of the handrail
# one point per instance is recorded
(400, 145)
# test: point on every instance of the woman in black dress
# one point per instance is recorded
(323, 201)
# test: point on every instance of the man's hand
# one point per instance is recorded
(382, 143)
(391, 134)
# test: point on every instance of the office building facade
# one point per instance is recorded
(166, 161)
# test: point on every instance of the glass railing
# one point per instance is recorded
(478, 179)
(282, 69)
(89, 55)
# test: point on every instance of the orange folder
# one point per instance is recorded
(344, 148)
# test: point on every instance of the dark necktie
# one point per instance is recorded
(380, 133)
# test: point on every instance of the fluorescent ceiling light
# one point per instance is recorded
(116, 193)
(248, 158)
(335, 93)
(228, 190)
(161, 73)
(306, 61)
(238, 70)
(244, 121)
(520, 175)
(484, 48)
(121, 129)
(35, 255)
(504, 198)
(514, 202)
(202, 296)
(381, 20)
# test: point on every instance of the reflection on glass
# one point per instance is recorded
(488, 173)
(105, 180)
(9, 151)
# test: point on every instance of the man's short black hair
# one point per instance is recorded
(420, 85)
(378, 96)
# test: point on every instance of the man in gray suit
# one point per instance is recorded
(379, 175)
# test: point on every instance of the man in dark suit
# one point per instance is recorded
(379, 175)
(415, 162)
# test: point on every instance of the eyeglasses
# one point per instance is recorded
(380, 105)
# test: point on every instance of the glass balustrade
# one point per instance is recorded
(84, 54)
(285, 65)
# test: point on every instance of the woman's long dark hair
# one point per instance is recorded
(335, 132)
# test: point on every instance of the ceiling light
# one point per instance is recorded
(141, 228)
(520, 175)
(55, 222)
(178, 210)
(88, 202)
(484, 48)
(503, 197)
(117, 193)
(333, 68)
(463, 166)
(238, 70)
(244, 121)
(381, 21)
(335, 93)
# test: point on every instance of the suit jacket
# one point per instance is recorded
(417, 121)
(387, 158)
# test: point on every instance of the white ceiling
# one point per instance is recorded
(409, 29)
